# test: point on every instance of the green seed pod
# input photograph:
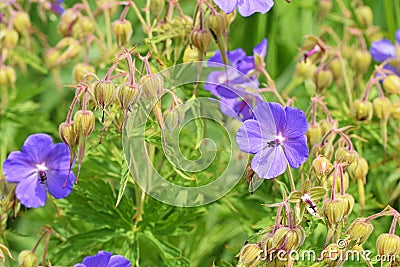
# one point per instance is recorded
(334, 210)
(392, 84)
(84, 122)
(201, 39)
(157, 7)
(104, 92)
(388, 244)
(360, 230)
(314, 134)
(11, 38)
(67, 22)
(127, 94)
(358, 169)
(67, 133)
(336, 69)
(345, 156)
(349, 200)
(152, 85)
(250, 255)
(123, 31)
(266, 242)
(27, 258)
(382, 107)
(321, 166)
(323, 150)
(217, 24)
(305, 69)
(22, 22)
(81, 70)
(365, 16)
(329, 182)
(332, 254)
(361, 61)
(322, 79)
(362, 110)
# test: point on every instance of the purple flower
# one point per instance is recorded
(38, 165)
(384, 49)
(104, 259)
(245, 7)
(276, 136)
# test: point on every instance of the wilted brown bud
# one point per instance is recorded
(362, 110)
(122, 31)
(388, 244)
(27, 258)
(382, 107)
(392, 84)
(81, 70)
(22, 22)
(361, 61)
(84, 122)
(104, 92)
(152, 85)
(201, 39)
(127, 94)
(360, 230)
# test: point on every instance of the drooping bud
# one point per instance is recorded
(332, 254)
(321, 166)
(334, 210)
(22, 22)
(288, 239)
(336, 69)
(104, 92)
(51, 57)
(388, 244)
(314, 134)
(305, 69)
(11, 38)
(201, 39)
(322, 79)
(349, 201)
(395, 111)
(173, 118)
(82, 27)
(358, 169)
(325, 6)
(361, 61)
(360, 230)
(122, 31)
(362, 110)
(67, 133)
(127, 94)
(68, 19)
(365, 16)
(27, 258)
(250, 255)
(382, 107)
(157, 7)
(323, 150)
(392, 84)
(8, 77)
(152, 85)
(345, 156)
(84, 122)
(216, 24)
(330, 179)
(81, 70)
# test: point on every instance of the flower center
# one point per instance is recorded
(279, 139)
(41, 169)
